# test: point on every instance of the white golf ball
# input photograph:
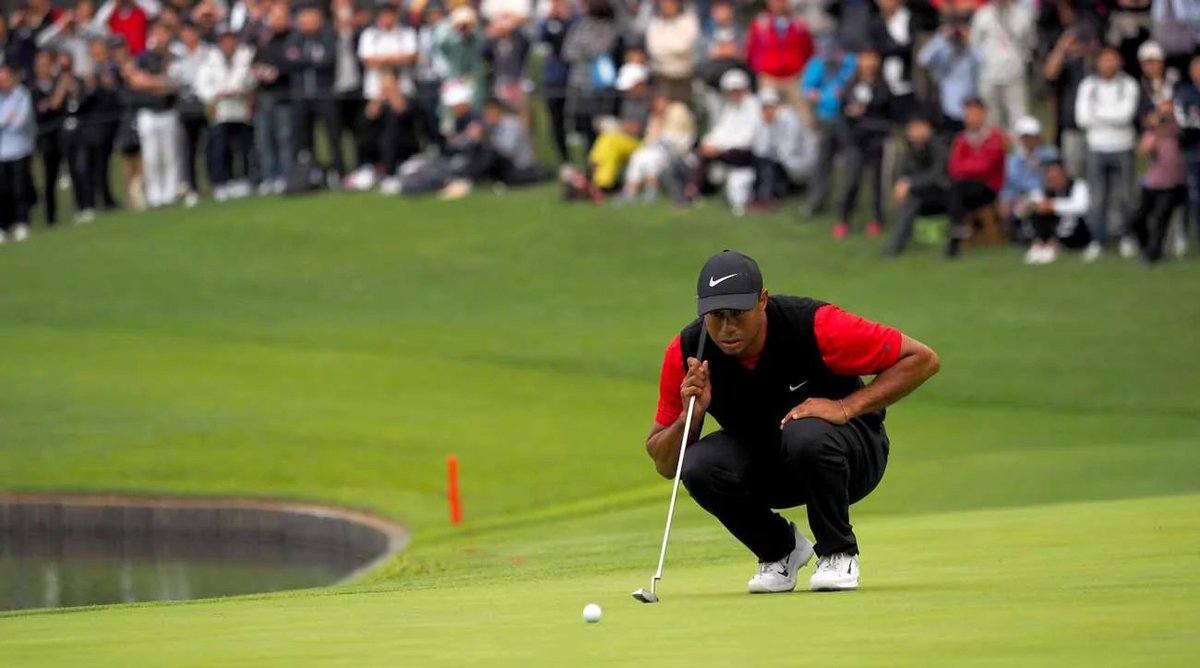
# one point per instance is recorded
(591, 613)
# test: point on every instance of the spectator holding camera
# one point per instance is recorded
(1163, 189)
(954, 63)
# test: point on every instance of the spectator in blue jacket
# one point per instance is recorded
(822, 81)
(954, 63)
(1023, 170)
(17, 132)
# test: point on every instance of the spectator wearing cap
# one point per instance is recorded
(670, 132)
(785, 151)
(1163, 189)
(671, 38)
(730, 138)
(158, 125)
(1065, 67)
(618, 140)
(955, 64)
(1056, 212)
(311, 53)
(591, 49)
(976, 168)
(1187, 113)
(272, 102)
(18, 131)
(1105, 110)
(1002, 31)
(866, 107)
(1023, 168)
(923, 185)
(1157, 80)
(778, 46)
(552, 33)
(893, 32)
(188, 53)
(824, 78)
(460, 51)
(225, 84)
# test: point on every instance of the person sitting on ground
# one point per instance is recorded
(729, 139)
(619, 138)
(509, 156)
(785, 151)
(976, 168)
(923, 186)
(1023, 169)
(1056, 213)
(670, 132)
(1163, 184)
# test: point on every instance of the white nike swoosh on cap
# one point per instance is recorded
(793, 388)
(714, 281)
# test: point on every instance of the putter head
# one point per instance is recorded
(645, 596)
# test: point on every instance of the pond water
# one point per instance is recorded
(55, 555)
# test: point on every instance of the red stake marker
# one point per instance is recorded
(452, 485)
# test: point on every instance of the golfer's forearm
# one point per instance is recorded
(663, 445)
(894, 383)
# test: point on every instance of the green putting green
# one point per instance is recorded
(1042, 503)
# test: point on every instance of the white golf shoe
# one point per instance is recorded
(779, 576)
(835, 572)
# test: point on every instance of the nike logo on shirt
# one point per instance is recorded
(793, 388)
(714, 281)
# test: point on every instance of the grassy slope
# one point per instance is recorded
(339, 347)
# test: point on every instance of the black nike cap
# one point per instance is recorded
(728, 280)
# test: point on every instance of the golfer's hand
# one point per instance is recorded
(833, 412)
(696, 384)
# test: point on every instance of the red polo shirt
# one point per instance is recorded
(850, 346)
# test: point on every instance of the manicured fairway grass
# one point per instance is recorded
(1042, 503)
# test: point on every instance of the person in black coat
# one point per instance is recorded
(923, 184)
(311, 53)
(866, 107)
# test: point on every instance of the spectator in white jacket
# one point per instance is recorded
(785, 151)
(730, 137)
(1105, 108)
(671, 37)
(1002, 31)
(225, 83)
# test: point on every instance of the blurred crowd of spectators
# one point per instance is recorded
(929, 103)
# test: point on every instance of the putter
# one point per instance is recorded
(651, 595)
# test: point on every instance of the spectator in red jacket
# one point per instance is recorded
(976, 167)
(778, 45)
(128, 19)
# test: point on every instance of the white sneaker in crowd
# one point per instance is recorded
(835, 572)
(266, 187)
(1179, 246)
(1049, 253)
(1034, 254)
(1128, 248)
(3, 237)
(20, 232)
(1093, 252)
(239, 189)
(280, 186)
(190, 199)
(779, 576)
(221, 193)
(84, 217)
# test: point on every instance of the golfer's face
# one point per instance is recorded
(733, 330)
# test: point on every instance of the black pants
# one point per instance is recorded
(965, 197)
(556, 107)
(101, 145)
(771, 180)
(305, 114)
(16, 192)
(388, 139)
(832, 141)
(926, 201)
(1153, 217)
(426, 113)
(51, 154)
(813, 463)
(734, 157)
(862, 155)
(80, 156)
(230, 145)
(193, 126)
